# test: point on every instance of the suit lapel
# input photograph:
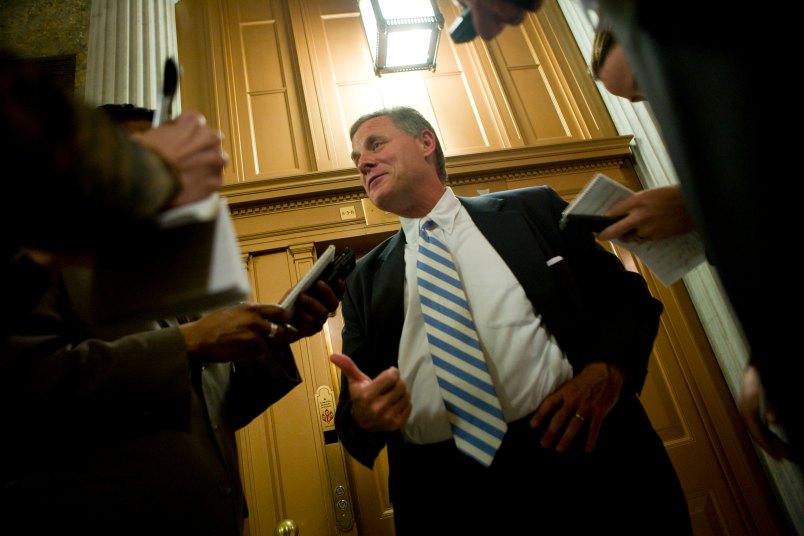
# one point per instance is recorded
(387, 297)
(507, 232)
(512, 236)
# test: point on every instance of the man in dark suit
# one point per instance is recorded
(566, 333)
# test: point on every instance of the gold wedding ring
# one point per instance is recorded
(579, 416)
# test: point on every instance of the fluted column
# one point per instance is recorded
(129, 41)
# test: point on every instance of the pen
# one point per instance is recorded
(170, 82)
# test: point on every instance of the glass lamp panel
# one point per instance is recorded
(403, 9)
(409, 47)
(370, 27)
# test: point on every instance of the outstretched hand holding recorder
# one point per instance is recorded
(339, 268)
(328, 268)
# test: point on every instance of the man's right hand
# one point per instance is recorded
(194, 150)
(378, 405)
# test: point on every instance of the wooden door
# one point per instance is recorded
(292, 469)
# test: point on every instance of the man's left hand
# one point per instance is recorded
(584, 401)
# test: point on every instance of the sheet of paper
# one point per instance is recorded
(189, 265)
(668, 259)
(203, 210)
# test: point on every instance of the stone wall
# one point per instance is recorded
(43, 28)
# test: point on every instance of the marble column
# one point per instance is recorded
(129, 41)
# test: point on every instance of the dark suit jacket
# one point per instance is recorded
(596, 309)
(112, 430)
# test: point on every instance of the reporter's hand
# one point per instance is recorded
(652, 214)
(313, 307)
(237, 333)
(490, 17)
(195, 150)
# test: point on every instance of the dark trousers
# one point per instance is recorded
(627, 485)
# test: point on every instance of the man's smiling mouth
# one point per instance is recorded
(373, 178)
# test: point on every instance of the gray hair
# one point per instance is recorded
(412, 122)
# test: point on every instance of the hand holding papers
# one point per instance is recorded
(669, 259)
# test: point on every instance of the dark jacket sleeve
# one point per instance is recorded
(57, 376)
(258, 383)
(359, 320)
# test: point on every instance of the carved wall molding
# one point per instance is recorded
(531, 172)
(297, 204)
(510, 166)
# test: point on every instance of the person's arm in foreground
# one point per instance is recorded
(89, 178)
(64, 376)
(270, 372)
(490, 17)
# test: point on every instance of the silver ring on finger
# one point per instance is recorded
(272, 330)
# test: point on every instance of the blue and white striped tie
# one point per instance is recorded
(469, 395)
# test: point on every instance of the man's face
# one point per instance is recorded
(617, 77)
(393, 165)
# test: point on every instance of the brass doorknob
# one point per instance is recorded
(286, 527)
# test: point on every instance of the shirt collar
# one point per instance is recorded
(444, 214)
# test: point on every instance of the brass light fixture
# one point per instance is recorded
(403, 35)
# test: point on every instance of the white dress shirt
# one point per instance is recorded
(524, 359)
